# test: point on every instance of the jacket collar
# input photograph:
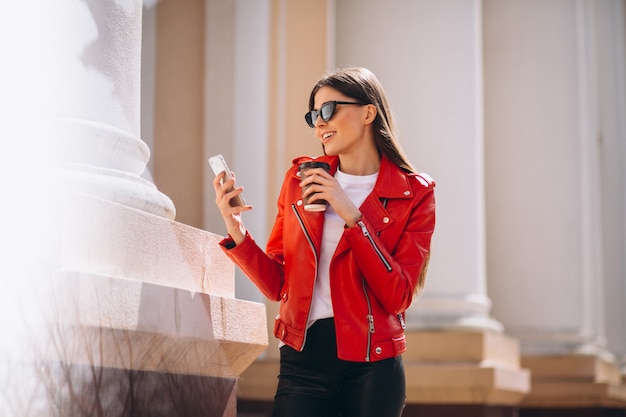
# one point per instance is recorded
(392, 181)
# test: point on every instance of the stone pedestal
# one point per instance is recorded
(574, 381)
(109, 306)
(464, 368)
(447, 372)
(128, 305)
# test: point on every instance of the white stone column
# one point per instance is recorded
(428, 56)
(94, 82)
(555, 209)
(543, 178)
(429, 59)
(610, 42)
(73, 96)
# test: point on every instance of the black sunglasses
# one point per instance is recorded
(326, 111)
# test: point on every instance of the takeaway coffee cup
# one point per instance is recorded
(316, 204)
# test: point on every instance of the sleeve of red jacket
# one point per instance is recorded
(395, 289)
(265, 270)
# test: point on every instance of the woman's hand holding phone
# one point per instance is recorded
(228, 199)
(218, 165)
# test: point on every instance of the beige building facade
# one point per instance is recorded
(517, 109)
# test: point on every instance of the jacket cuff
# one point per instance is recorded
(228, 244)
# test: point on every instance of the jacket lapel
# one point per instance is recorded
(392, 183)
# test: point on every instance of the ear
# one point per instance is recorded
(370, 116)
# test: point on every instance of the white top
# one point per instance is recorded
(357, 188)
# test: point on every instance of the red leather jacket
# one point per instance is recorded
(378, 266)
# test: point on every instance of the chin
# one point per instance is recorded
(329, 151)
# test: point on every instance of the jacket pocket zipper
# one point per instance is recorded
(366, 233)
(401, 320)
(370, 320)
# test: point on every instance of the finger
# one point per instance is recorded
(313, 189)
(227, 186)
(310, 172)
(322, 173)
(217, 181)
(313, 178)
(223, 193)
(233, 193)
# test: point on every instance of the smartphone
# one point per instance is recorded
(218, 164)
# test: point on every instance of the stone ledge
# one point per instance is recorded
(461, 367)
(441, 368)
(574, 381)
(572, 367)
(576, 394)
(449, 384)
(462, 347)
(117, 287)
(116, 323)
(444, 384)
(103, 238)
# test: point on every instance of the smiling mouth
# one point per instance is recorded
(328, 135)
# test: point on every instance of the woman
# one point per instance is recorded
(344, 277)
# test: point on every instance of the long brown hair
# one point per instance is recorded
(362, 85)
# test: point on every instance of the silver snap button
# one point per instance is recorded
(299, 202)
(407, 192)
(379, 350)
(385, 220)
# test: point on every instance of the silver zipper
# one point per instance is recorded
(366, 233)
(401, 319)
(308, 238)
(370, 320)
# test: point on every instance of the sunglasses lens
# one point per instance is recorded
(327, 110)
(311, 117)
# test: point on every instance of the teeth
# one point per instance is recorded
(327, 135)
